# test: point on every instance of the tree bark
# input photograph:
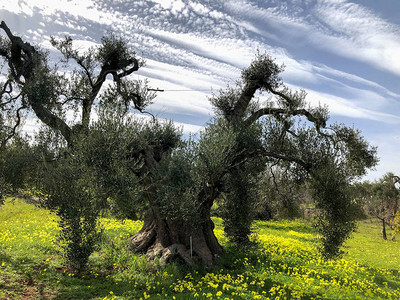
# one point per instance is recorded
(384, 229)
(169, 239)
(173, 240)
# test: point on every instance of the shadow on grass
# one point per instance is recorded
(20, 277)
(100, 287)
(300, 226)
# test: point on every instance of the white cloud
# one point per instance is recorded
(165, 4)
(340, 75)
(340, 27)
(343, 107)
(177, 6)
(52, 10)
(199, 8)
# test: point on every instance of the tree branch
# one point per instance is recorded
(307, 166)
(14, 129)
(245, 97)
(281, 111)
(24, 66)
(87, 72)
(105, 70)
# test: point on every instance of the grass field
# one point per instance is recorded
(285, 266)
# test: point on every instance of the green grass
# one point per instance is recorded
(286, 265)
(368, 247)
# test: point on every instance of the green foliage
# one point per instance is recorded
(224, 102)
(70, 191)
(280, 194)
(125, 154)
(330, 162)
(263, 71)
(337, 219)
(114, 51)
(215, 151)
(237, 209)
(18, 163)
(112, 160)
(239, 195)
(175, 187)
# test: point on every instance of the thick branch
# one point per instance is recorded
(24, 66)
(135, 67)
(245, 97)
(16, 61)
(16, 40)
(281, 111)
(52, 121)
(105, 70)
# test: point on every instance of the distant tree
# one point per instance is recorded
(19, 163)
(381, 200)
(15, 162)
(281, 194)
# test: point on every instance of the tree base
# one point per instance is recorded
(173, 240)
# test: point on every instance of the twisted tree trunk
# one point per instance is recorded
(172, 240)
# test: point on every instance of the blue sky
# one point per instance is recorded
(345, 54)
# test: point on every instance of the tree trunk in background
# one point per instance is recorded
(384, 229)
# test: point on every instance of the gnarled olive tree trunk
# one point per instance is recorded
(173, 240)
(171, 237)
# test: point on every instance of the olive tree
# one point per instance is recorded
(32, 86)
(179, 182)
(244, 138)
(380, 199)
(294, 133)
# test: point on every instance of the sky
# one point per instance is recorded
(345, 54)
